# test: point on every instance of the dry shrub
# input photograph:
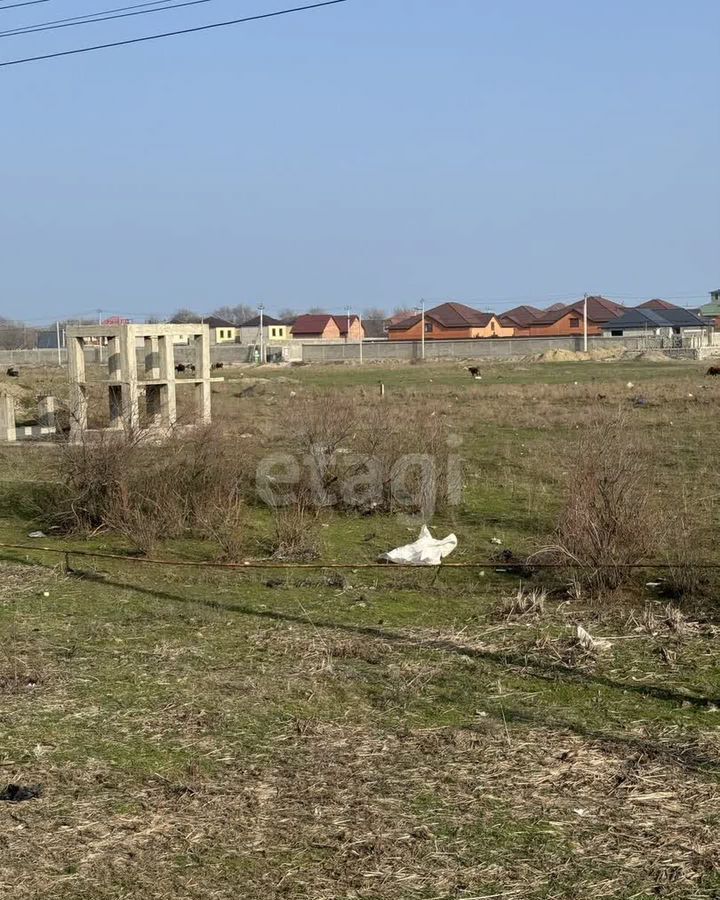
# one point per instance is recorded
(192, 482)
(687, 528)
(379, 457)
(610, 519)
(295, 535)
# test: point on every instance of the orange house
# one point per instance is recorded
(449, 322)
(520, 318)
(327, 328)
(568, 320)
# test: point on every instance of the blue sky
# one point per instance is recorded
(370, 153)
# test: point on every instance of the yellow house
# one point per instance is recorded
(273, 330)
(221, 331)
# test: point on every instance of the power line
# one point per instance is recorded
(167, 34)
(24, 3)
(22, 28)
(99, 16)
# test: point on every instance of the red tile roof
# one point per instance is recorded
(316, 324)
(600, 309)
(449, 315)
(657, 304)
(520, 315)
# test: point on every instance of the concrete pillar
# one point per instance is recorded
(166, 361)
(7, 418)
(202, 373)
(128, 362)
(78, 393)
(46, 412)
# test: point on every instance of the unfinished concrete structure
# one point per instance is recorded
(156, 343)
(43, 427)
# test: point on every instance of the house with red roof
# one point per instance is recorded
(449, 322)
(327, 327)
(519, 318)
(657, 304)
(568, 320)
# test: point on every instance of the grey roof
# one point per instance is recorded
(217, 322)
(655, 318)
(267, 320)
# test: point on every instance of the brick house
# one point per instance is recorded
(449, 322)
(327, 327)
(519, 319)
(568, 320)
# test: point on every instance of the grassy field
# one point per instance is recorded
(366, 733)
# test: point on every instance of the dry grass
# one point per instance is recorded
(555, 814)
(384, 734)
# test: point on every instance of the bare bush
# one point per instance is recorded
(609, 520)
(295, 534)
(372, 458)
(149, 492)
(685, 578)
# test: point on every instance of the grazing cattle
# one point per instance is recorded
(713, 370)
(191, 368)
(474, 371)
(217, 365)
(180, 367)
(13, 372)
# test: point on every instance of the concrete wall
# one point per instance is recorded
(32, 357)
(323, 351)
(482, 348)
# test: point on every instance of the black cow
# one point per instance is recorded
(713, 370)
(180, 367)
(474, 371)
(13, 372)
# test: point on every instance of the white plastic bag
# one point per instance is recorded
(426, 551)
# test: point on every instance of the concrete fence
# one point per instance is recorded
(375, 351)
(481, 348)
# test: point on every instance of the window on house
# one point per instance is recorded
(428, 327)
(273, 332)
(222, 333)
(492, 326)
(574, 323)
(616, 332)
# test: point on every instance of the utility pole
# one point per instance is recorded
(421, 310)
(347, 335)
(262, 335)
(57, 332)
(361, 339)
(585, 324)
